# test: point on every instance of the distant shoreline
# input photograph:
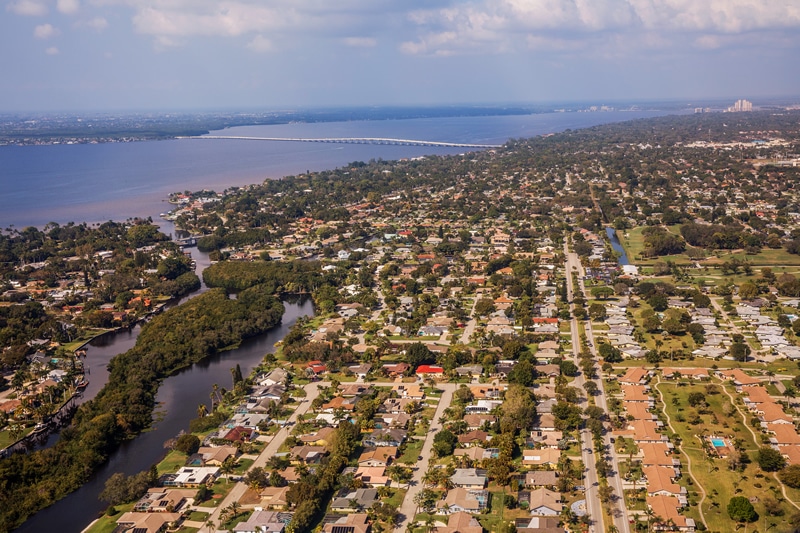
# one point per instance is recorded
(96, 128)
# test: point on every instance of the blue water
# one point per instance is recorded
(622, 255)
(116, 181)
(718, 443)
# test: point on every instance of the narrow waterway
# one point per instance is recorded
(622, 255)
(178, 400)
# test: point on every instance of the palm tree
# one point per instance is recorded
(227, 467)
(429, 520)
(202, 410)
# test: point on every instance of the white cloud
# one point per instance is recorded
(508, 24)
(68, 7)
(45, 31)
(231, 19)
(28, 8)
(360, 42)
(52, 51)
(97, 23)
(260, 44)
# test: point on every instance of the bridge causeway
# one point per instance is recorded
(353, 140)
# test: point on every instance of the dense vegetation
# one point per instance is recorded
(295, 276)
(179, 337)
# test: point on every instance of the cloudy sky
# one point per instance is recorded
(270, 54)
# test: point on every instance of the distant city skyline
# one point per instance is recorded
(72, 55)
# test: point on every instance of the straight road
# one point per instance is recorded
(618, 510)
(409, 509)
(236, 493)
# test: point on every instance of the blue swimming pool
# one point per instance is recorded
(718, 443)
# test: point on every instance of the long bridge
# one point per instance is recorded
(353, 140)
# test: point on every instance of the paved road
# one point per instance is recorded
(619, 511)
(471, 323)
(593, 503)
(409, 509)
(236, 493)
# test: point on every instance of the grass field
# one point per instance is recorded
(778, 259)
(711, 472)
(106, 523)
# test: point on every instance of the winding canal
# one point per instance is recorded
(178, 399)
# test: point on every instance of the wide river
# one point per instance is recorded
(117, 181)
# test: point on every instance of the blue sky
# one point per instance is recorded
(273, 54)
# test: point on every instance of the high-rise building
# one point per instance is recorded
(741, 105)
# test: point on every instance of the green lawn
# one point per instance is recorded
(172, 462)
(711, 472)
(106, 523)
(413, 448)
(242, 466)
(396, 497)
(219, 490)
(198, 516)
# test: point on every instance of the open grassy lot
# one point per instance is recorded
(633, 242)
(106, 523)
(413, 448)
(713, 474)
(172, 462)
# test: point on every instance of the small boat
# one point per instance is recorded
(82, 385)
(40, 428)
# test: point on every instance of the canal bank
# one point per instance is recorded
(616, 245)
(177, 402)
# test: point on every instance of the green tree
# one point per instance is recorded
(790, 476)
(741, 510)
(597, 311)
(748, 290)
(444, 442)
(696, 398)
(187, 443)
(739, 351)
(770, 459)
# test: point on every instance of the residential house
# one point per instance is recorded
(274, 497)
(373, 476)
(460, 522)
(163, 500)
(539, 524)
(380, 456)
(544, 502)
(668, 508)
(191, 477)
(542, 457)
(216, 455)
(433, 371)
(469, 478)
(308, 454)
(477, 421)
(460, 499)
(262, 521)
(541, 478)
(660, 481)
(322, 437)
(354, 523)
(277, 376)
(474, 438)
(385, 437)
(353, 501)
(147, 522)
